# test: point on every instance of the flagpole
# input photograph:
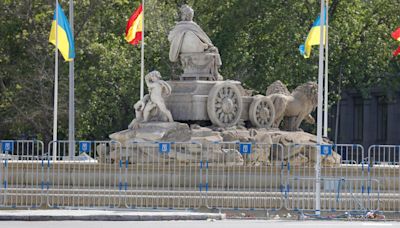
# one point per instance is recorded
(142, 57)
(71, 108)
(326, 74)
(319, 114)
(55, 91)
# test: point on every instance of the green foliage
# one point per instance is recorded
(258, 42)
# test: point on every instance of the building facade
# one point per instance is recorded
(367, 121)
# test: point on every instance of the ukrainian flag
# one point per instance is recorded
(313, 37)
(65, 37)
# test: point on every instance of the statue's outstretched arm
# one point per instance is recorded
(146, 98)
(147, 80)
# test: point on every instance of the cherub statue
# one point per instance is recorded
(152, 106)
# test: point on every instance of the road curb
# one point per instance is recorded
(118, 216)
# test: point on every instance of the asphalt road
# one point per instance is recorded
(199, 224)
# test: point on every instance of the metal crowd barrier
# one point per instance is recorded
(244, 176)
(300, 189)
(337, 194)
(255, 176)
(87, 176)
(344, 176)
(22, 173)
(383, 164)
(163, 175)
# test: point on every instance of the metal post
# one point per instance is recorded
(142, 57)
(326, 75)
(71, 105)
(338, 106)
(319, 114)
(55, 91)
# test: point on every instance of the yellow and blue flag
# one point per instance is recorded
(65, 36)
(313, 37)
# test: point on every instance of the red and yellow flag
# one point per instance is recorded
(396, 36)
(397, 52)
(134, 27)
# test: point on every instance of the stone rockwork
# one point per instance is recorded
(154, 132)
(302, 149)
(218, 146)
(135, 142)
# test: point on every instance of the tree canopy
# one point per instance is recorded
(258, 42)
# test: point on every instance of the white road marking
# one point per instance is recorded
(377, 224)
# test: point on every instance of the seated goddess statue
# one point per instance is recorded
(189, 43)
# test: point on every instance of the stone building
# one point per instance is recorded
(367, 121)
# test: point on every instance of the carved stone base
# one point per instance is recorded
(154, 131)
(262, 154)
(199, 66)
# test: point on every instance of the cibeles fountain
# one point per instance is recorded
(200, 106)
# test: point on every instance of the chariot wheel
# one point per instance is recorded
(262, 112)
(224, 104)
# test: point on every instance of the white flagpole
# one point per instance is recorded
(319, 114)
(55, 91)
(142, 57)
(71, 105)
(326, 74)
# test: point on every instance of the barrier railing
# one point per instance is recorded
(163, 175)
(254, 176)
(342, 166)
(244, 176)
(22, 173)
(384, 165)
(300, 189)
(89, 176)
(337, 194)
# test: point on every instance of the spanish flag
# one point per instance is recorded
(313, 37)
(134, 27)
(65, 36)
(396, 36)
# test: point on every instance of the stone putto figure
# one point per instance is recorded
(152, 108)
(189, 43)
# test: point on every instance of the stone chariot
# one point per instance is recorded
(223, 103)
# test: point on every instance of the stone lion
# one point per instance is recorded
(296, 106)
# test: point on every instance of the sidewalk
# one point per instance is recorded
(102, 215)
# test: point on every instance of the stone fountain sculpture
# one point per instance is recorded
(207, 109)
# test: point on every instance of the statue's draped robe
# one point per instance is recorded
(177, 35)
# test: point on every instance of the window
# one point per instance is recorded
(382, 120)
(358, 120)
